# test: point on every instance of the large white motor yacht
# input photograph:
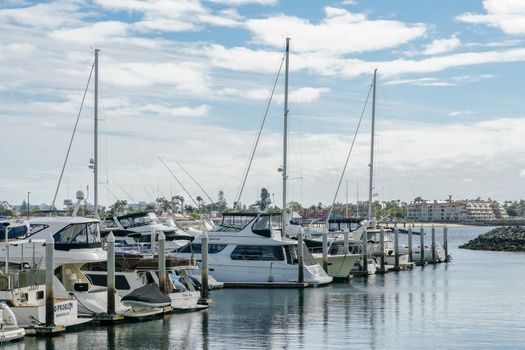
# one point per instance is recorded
(247, 249)
(77, 242)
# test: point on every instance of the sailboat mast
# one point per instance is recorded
(95, 156)
(285, 136)
(371, 178)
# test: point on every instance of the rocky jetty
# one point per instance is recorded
(508, 239)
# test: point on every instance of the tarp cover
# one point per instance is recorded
(150, 293)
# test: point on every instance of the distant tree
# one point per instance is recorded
(200, 201)
(6, 209)
(23, 207)
(264, 199)
(119, 206)
(418, 199)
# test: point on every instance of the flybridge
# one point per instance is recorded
(262, 224)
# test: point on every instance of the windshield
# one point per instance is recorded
(236, 221)
(85, 233)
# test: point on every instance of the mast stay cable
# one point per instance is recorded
(72, 137)
(256, 143)
(348, 156)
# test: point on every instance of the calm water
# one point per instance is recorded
(477, 301)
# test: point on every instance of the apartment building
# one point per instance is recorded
(455, 210)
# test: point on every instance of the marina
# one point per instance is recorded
(149, 112)
(402, 310)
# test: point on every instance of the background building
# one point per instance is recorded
(456, 210)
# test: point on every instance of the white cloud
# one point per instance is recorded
(97, 33)
(438, 46)
(172, 16)
(434, 81)
(340, 32)
(245, 2)
(419, 82)
(507, 15)
(460, 113)
(45, 15)
(522, 173)
(164, 110)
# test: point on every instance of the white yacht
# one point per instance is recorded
(147, 224)
(246, 249)
(77, 242)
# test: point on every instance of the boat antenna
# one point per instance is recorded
(348, 156)
(256, 143)
(184, 189)
(72, 137)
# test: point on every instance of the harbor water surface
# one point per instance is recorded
(476, 301)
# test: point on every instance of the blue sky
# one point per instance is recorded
(188, 80)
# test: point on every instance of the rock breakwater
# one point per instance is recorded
(509, 239)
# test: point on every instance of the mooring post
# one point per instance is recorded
(445, 242)
(410, 257)
(111, 274)
(345, 242)
(382, 248)
(162, 262)
(365, 252)
(6, 229)
(300, 256)
(421, 246)
(396, 248)
(50, 275)
(152, 241)
(325, 251)
(433, 244)
(204, 266)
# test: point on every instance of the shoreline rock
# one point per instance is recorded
(508, 239)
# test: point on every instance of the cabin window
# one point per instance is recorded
(121, 283)
(78, 234)
(14, 232)
(196, 248)
(261, 253)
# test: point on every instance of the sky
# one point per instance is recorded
(188, 81)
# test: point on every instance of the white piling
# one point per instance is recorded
(445, 242)
(204, 266)
(396, 247)
(111, 291)
(382, 248)
(433, 244)
(410, 255)
(325, 251)
(152, 241)
(300, 255)
(6, 266)
(421, 246)
(365, 252)
(162, 262)
(50, 276)
(345, 242)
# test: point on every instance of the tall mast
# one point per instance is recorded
(371, 179)
(95, 156)
(285, 137)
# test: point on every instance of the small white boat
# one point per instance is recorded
(9, 329)
(146, 301)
